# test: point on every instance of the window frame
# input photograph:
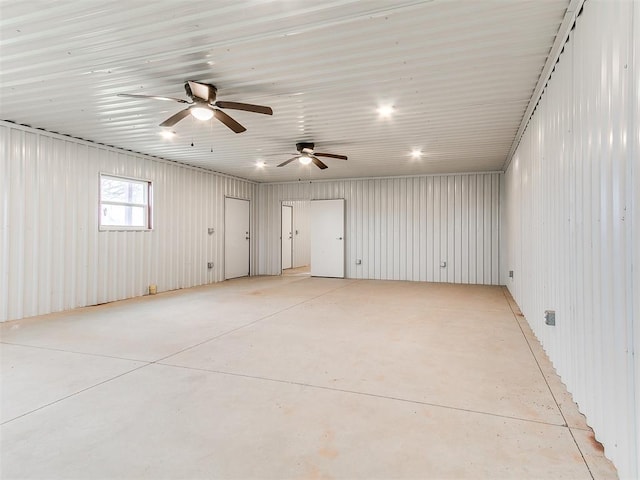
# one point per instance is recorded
(148, 206)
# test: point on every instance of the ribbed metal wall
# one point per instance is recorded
(402, 228)
(52, 256)
(634, 139)
(301, 232)
(569, 192)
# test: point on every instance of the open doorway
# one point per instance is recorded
(295, 237)
(286, 237)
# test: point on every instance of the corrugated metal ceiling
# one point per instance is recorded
(459, 74)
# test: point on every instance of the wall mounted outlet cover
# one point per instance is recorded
(443, 264)
(550, 317)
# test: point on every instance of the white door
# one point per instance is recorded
(327, 238)
(236, 238)
(287, 236)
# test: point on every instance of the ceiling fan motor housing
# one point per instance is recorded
(304, 145)
(212, 92)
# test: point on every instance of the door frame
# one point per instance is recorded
(224, 239)
(282, 205)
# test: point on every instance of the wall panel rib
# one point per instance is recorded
(52, 256)
(570, 218)
(402, 228)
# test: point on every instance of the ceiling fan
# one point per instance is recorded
(203, 106)
(306, 155)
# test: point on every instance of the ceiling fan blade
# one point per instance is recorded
(228, 121)
(173, 119)
(246, 106)
(155, 97)
(278, 154)
(317, 162)
(288, 161)
(330, 155)
(200, 90)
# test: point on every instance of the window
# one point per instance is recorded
(125, 203)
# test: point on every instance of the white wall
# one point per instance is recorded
(569, 223)
(634, 140)
(52, 256)
(401, 228)
(301, 232)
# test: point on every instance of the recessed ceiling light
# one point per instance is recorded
(168, 134)
(305, 160)
(201, 113)
(385, 111)
(416, 153)
(260, 164)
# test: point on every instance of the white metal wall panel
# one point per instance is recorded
(569, 223)
(301, 229)
(634, 186)
(52, 255)
(402, 228)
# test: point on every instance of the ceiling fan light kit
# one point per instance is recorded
(201, 113)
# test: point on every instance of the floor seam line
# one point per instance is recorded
(76, 393)
(515, 317)
(249, 324)
(354, 392)
(101, 355)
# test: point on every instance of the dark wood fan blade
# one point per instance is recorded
(228, 121)
(330, 155)
(200, 90)
(288, 161)
(281, 154)
(317, 162)
(246, 106)
(155, 97)
(173, 119)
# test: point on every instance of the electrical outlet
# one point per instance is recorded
(209, 265)
(443, 264)
(358, 262)
(510, 273)
(550, 317)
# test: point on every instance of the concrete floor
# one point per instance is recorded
(298, 271)
(290, 377)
